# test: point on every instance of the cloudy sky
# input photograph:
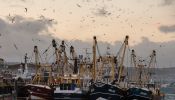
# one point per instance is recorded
(150, 25)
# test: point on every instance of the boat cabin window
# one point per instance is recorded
(67, 86)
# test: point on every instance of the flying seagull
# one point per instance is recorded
(25, 9)
(78, 5)
(15, 46)
(50, 20)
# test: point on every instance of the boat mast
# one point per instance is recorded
(121, 67)
(94, 58)
(56, 51)
(133, 58)
(65, 59)
(141, 67)
(74, 58)
(37, 64)
(134, 62)
(113, 68)
(151, 65)
(25, 61)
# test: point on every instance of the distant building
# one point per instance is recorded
(1, 61)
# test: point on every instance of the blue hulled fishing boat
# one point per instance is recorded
(104, 85)
(139, 94)
(103, 91)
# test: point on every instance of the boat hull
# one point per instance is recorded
(139, 94)
(68, 91)
(40, 92)
(69, 96)
(102, 91)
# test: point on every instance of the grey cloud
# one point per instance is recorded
(165, 51)
(167, 29)
(19, 37)
(25, 37)
(167, 2)
(25, 26)
(23, 0)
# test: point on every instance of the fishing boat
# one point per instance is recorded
(69, 89)
(23, 71)
(41, 85)
(39, 92)
(21, 78)
(104, 86)
(6, 88)
(69, 82)
(6, 91)
(139, 94)
(103, 91)
(144, 88)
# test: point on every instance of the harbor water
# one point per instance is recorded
(169, 93)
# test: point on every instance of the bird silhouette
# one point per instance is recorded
(25, 9)
(44, 9)
(78, 5)
(51, 19)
